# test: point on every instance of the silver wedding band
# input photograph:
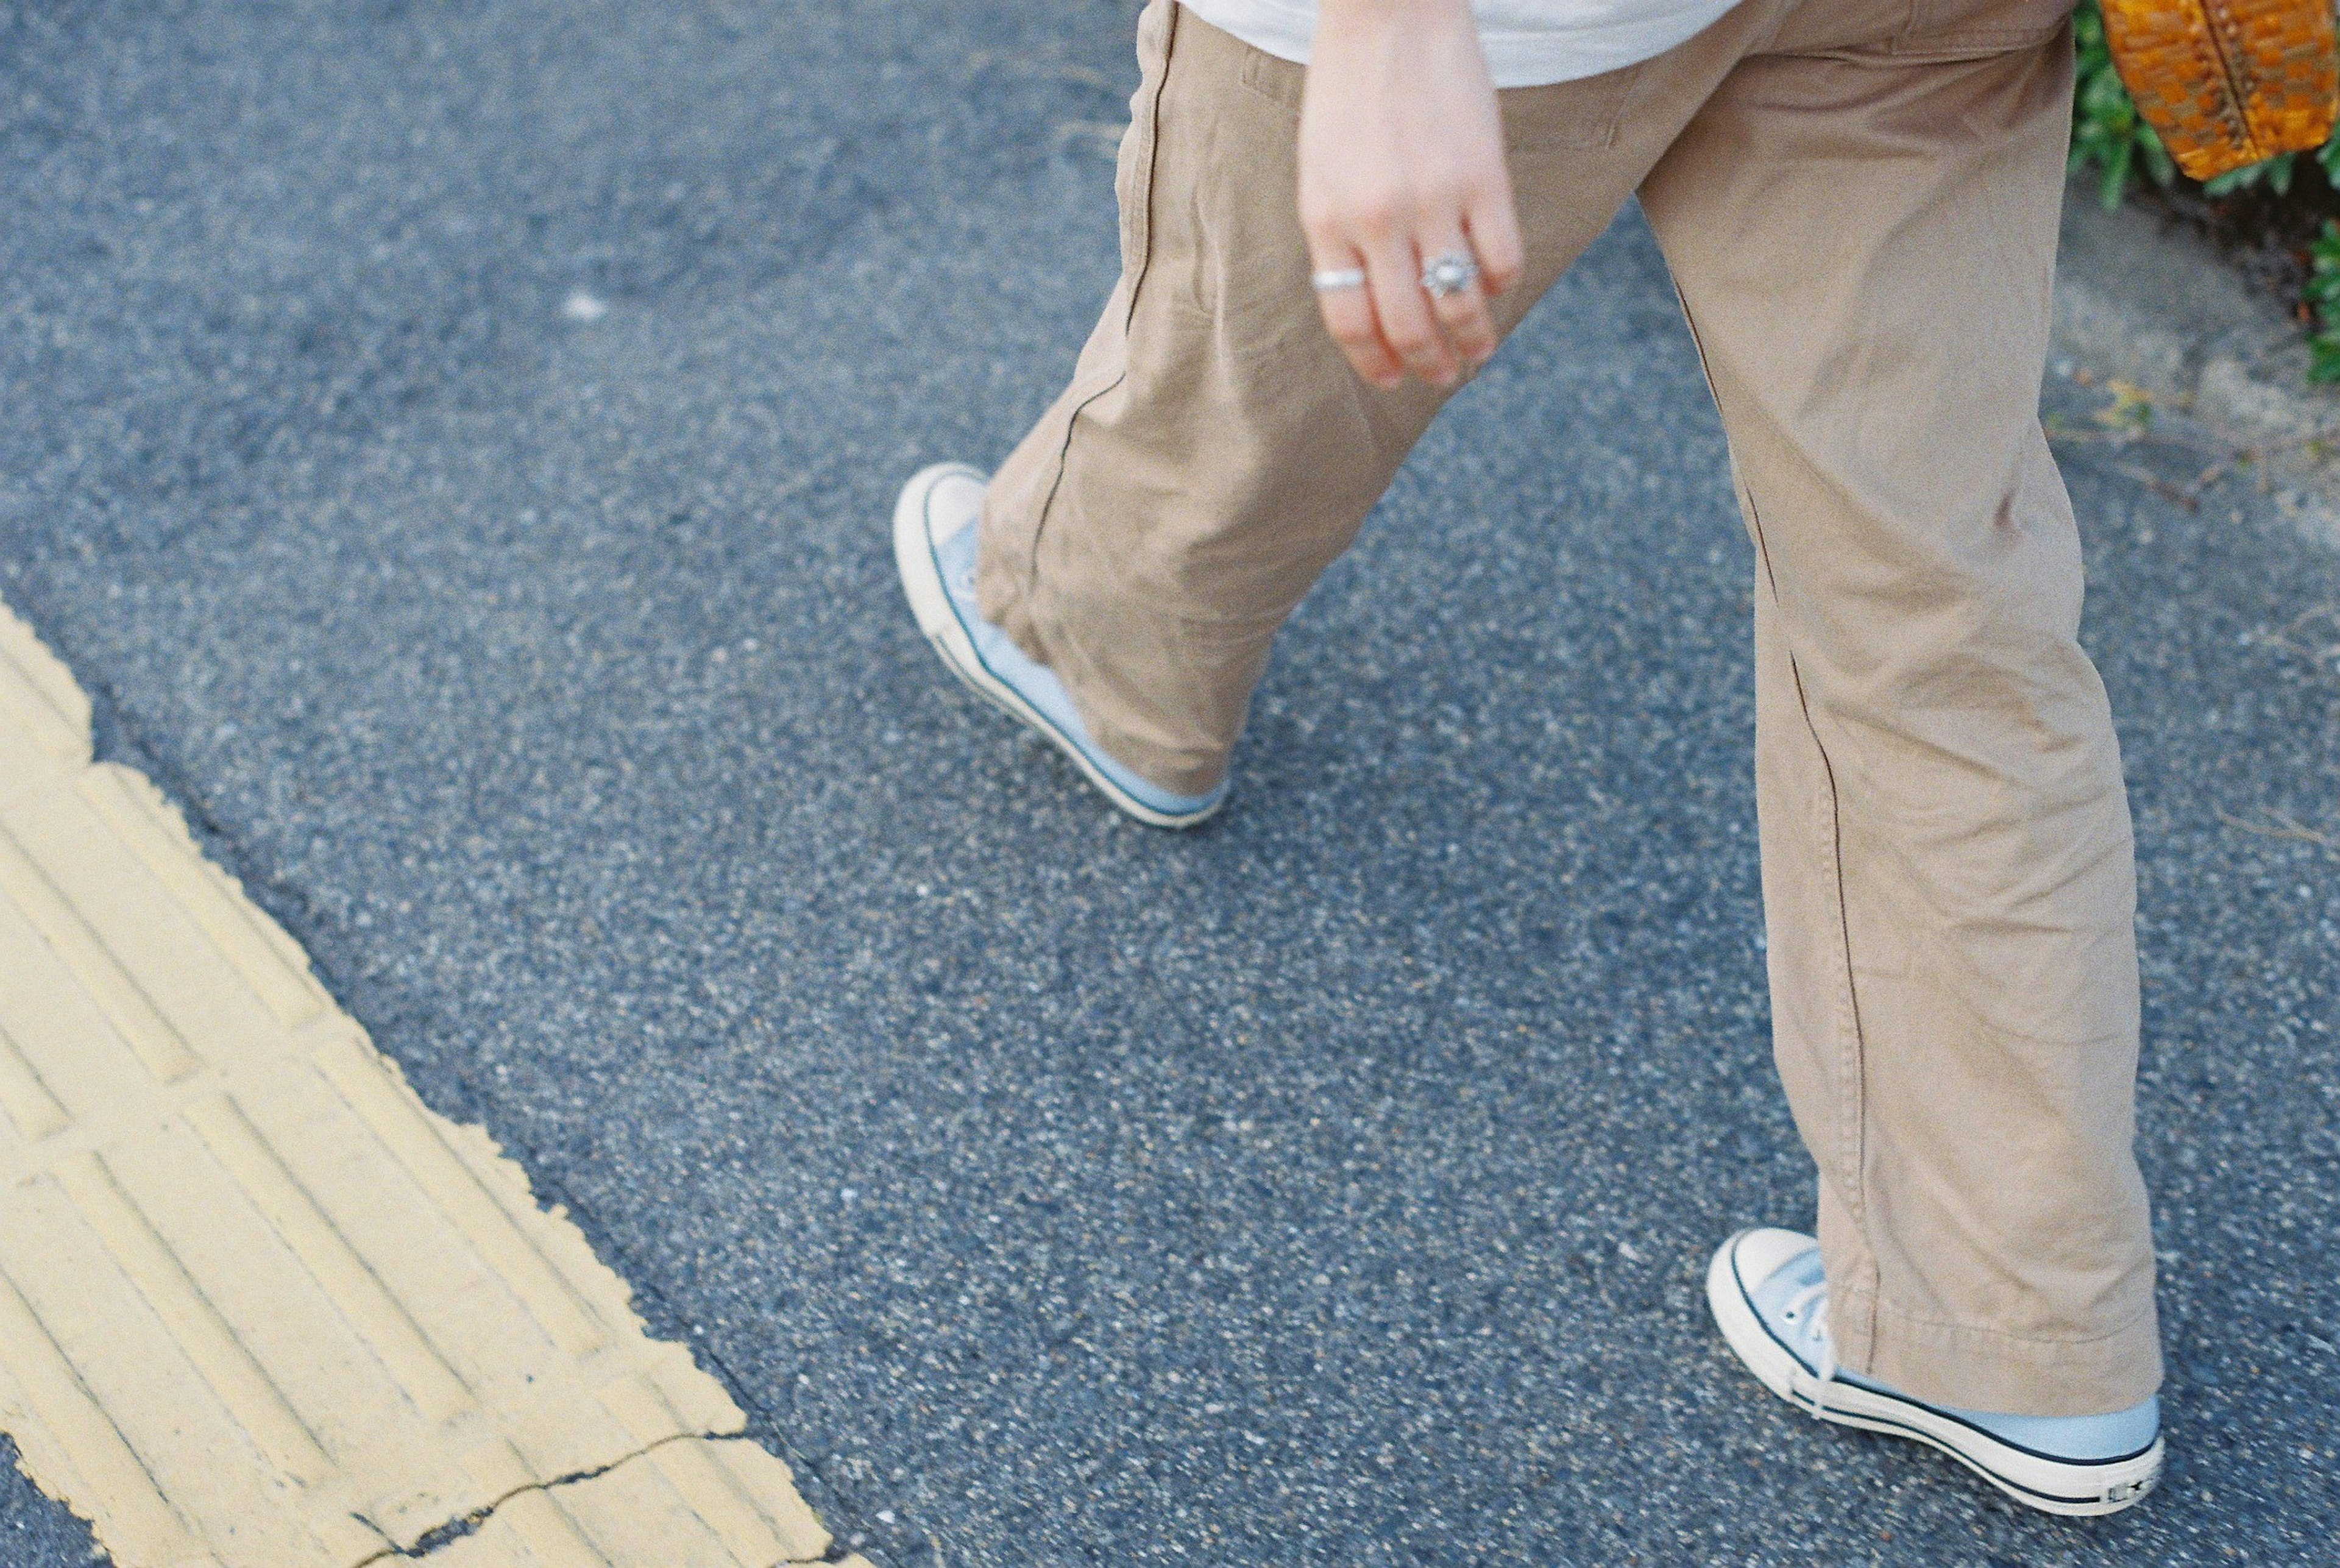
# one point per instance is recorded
(1449, 273)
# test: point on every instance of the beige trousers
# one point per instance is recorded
(1859, 200)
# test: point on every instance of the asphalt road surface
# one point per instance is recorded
(453, 443)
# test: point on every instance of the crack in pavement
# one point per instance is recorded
(441, 1537)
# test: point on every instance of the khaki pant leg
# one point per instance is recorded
(1214, 453)
(1864, 243)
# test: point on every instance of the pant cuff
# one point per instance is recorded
(1984, 1369)
(1017, 606)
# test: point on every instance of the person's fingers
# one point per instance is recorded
(1394, 273)
(1492, 218)
(1348, 314)
(1463, 313)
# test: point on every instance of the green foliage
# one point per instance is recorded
(2108, 132)
(2274, 173)
(2110, 136)
(2322, 294)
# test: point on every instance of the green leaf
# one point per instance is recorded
(2107, 133)
(2114, 179)
(2275, 172)
(2324, 358)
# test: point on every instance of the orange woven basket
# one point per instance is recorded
(2225, 82)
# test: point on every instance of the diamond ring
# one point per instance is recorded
(1449, 273)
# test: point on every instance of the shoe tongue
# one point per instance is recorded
(956, 556)
(1772, 1298)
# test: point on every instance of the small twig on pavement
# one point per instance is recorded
(2287, 637)
(2127, 420)
(2074, 435)
(1102, 135)
(1013, 63)
(2283, 828)
(2255, 454)
(2160, 486)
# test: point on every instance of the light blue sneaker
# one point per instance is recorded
(934, 546)
(1770, 1302)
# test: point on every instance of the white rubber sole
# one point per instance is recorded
(2034, 1480)
(922, 585)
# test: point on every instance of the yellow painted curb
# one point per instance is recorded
(259, 1306)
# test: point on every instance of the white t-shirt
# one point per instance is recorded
(1528, 42)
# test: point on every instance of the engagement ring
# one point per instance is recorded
(1449, 273)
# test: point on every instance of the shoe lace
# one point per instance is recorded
(1807, 1308)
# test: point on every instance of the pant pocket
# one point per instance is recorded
(1965, 29)
(1132, 184)
(1584, 113)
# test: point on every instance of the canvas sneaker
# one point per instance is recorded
(1770, 1301)
(934, 547)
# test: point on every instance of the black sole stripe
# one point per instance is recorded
(1021, 708)
(1747, 1297)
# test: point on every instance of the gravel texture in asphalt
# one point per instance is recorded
(453, 443)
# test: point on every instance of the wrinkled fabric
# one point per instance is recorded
(1858, 202)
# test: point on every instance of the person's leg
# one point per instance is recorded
(1864, 241)
(1214, 452)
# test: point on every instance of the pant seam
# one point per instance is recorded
(1853, 1140)
(1145, 260)
(1855, 1137)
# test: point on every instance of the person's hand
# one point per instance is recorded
(1402, 162)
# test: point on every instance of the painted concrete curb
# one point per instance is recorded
(260, 1307)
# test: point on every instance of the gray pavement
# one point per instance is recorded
(1328, 1186)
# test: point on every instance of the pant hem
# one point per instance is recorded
(1975, 1367)
(1020, 613)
